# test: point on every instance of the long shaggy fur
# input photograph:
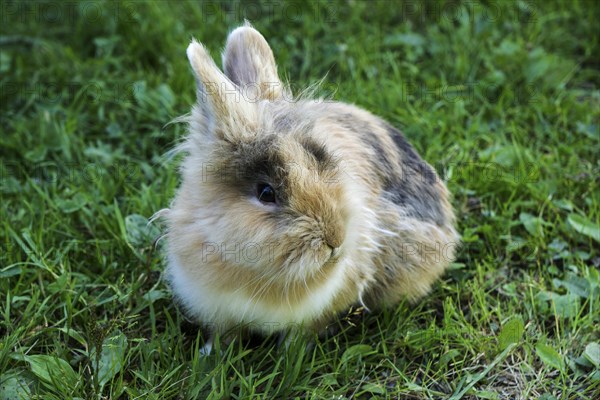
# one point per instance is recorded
(359, 217)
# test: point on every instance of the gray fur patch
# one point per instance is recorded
(407, 180)
(414, 186)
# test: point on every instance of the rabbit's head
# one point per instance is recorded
(261, 192)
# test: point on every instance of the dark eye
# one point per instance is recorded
(265, 193)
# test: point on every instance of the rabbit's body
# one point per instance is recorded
(290, 212)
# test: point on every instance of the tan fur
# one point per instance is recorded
(361, 217)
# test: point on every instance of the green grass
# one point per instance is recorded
(503, 98)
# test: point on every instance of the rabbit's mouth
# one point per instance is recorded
(306, 261)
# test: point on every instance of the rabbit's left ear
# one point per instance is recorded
(248, 61)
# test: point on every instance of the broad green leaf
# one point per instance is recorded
(413, 387)
(584, 226)
(591, 130)
(373, 388)
(575, 285)
(592, 353)
(139, 232)
(549, 356)
(166, 96)
(406, 39)
(140, 92)
(486, 395)
(114, 130)
(329, 380)
(155, 294)
(566, 305)
(507, 48)
(579, 361)
(511, 332)
(11, 270)
(14, 388)
(447, 357)
(593, 278)
(538, 64)
(356, 351)
(557, 245)
(5, 62)
(564, 204)
(532, 224)
(36, 154)
(51, 368)
(112, 358)
(77, 202)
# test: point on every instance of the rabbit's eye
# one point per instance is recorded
(265, 193)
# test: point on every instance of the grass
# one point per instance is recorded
(502, 97)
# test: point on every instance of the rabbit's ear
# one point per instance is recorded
(248, 61)
(218, 98)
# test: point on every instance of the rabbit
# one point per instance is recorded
(292, 210)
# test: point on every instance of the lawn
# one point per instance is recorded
(503, 98)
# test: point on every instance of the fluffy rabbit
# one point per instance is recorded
(291, 210)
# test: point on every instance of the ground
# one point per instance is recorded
(501, 97)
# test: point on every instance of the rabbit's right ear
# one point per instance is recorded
(218, 97)
(248, 61)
